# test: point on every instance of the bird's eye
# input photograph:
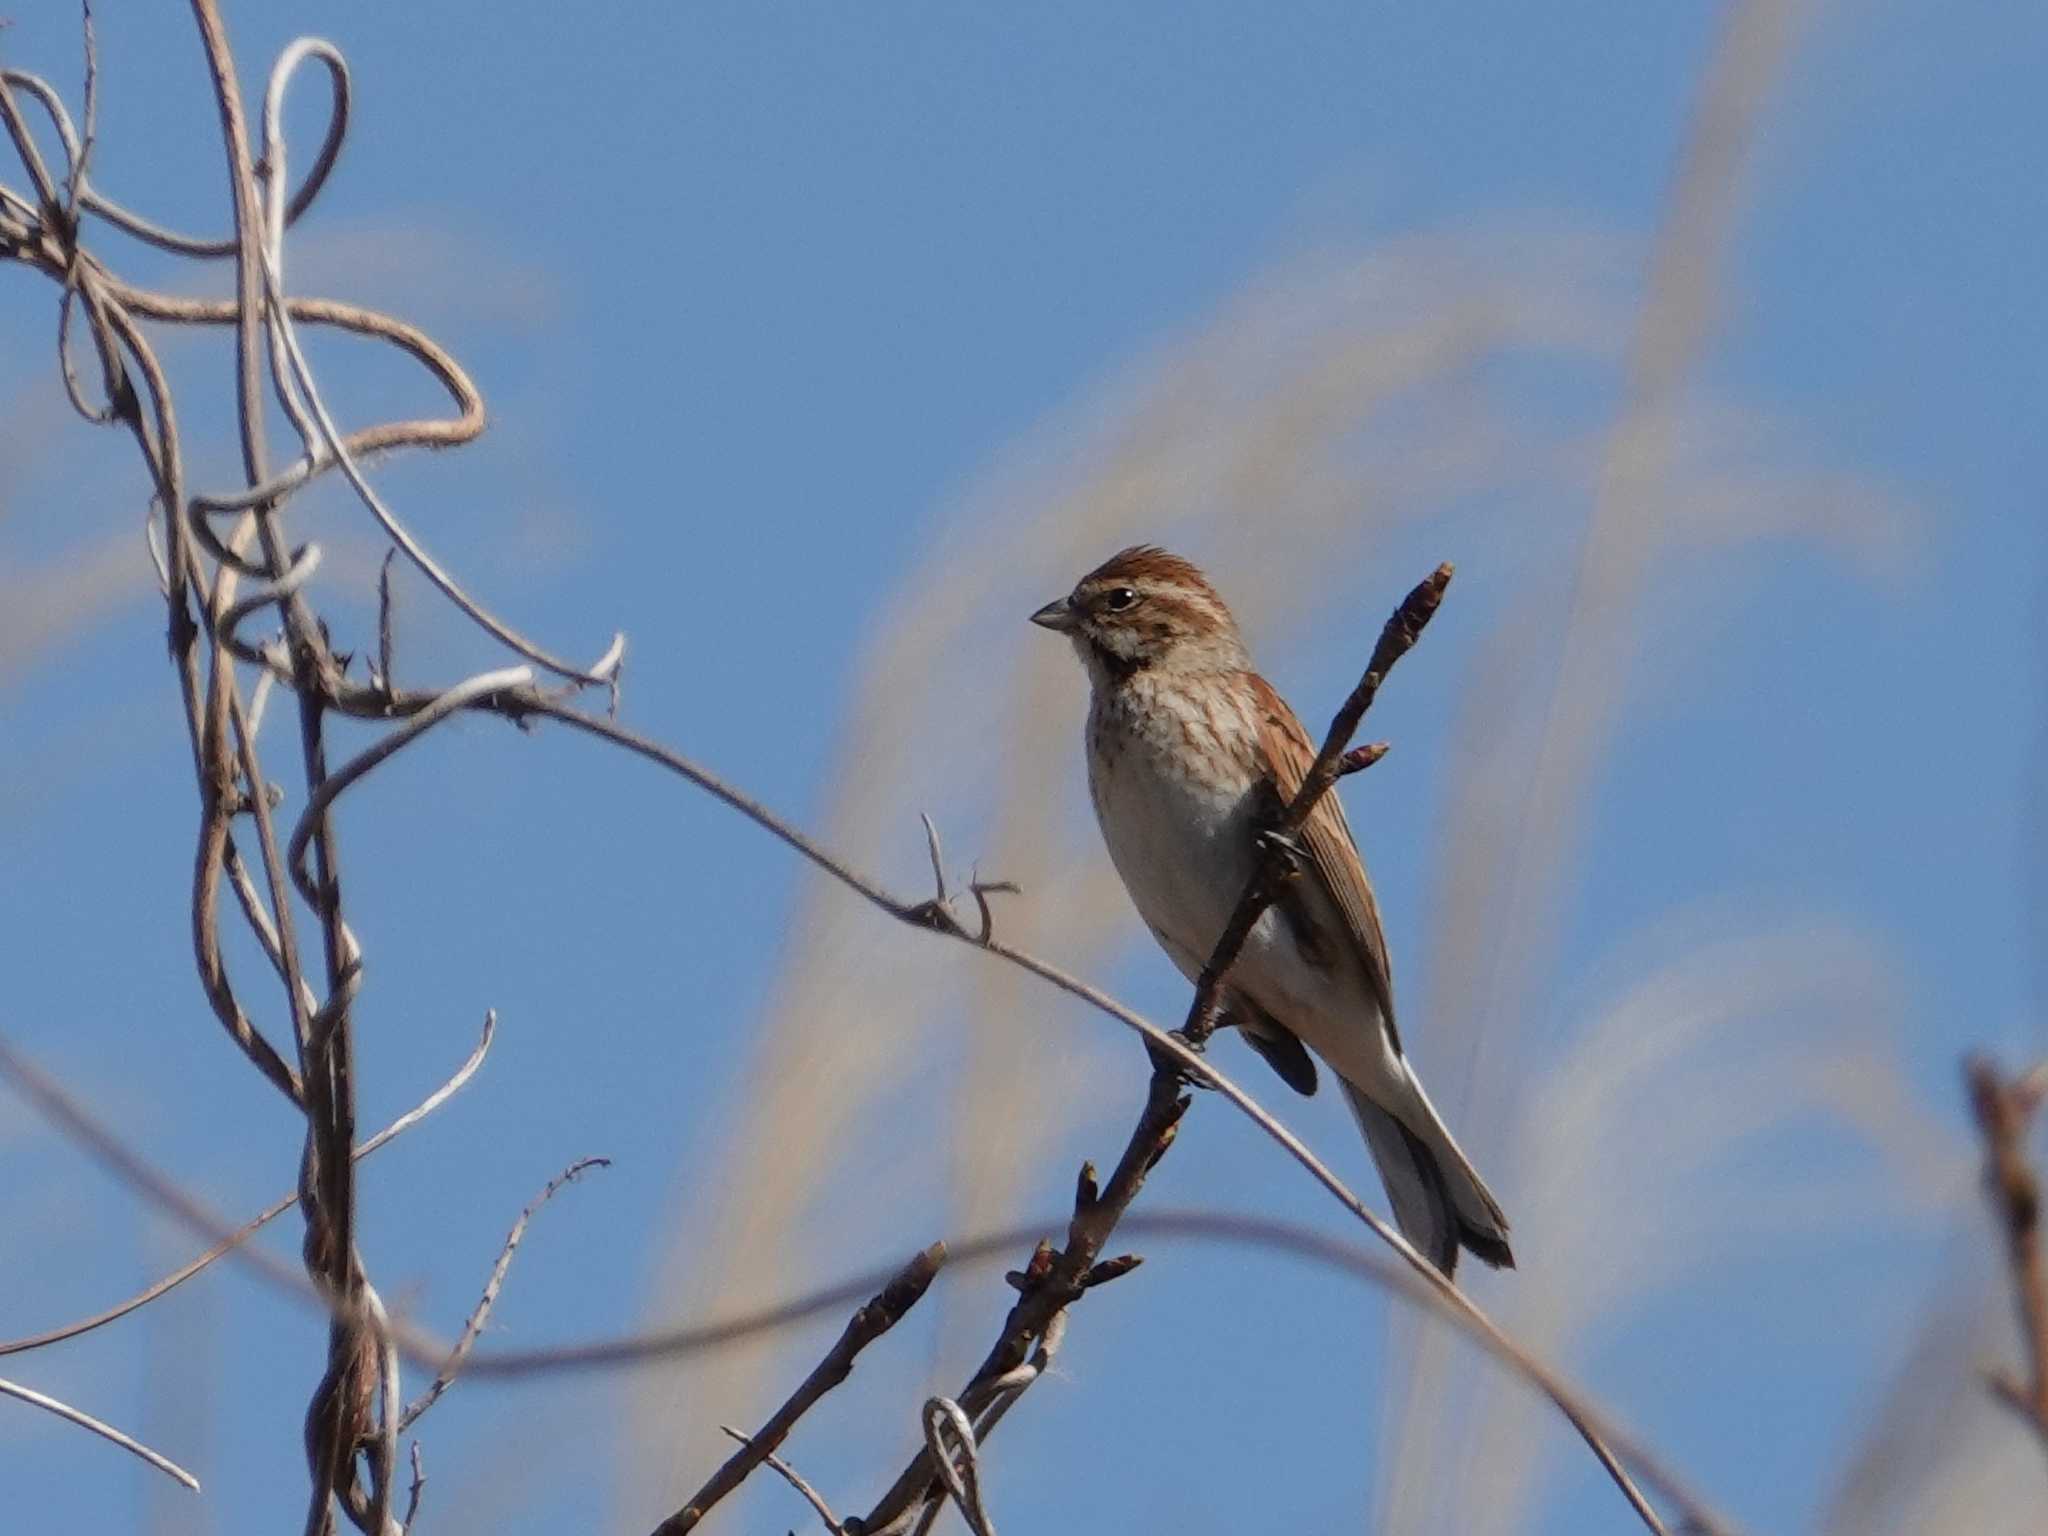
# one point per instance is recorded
(1117, 599)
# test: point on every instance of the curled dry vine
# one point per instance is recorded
(224, 558)
(206, 546)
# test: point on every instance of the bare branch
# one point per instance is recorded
(949, 1439)
(883, 1311)
(1191, 1064)
(88, 198)
(248, 1229)
(289, 585)
(482, 1314)
(604, 671)
(1047, 1287)
(1418, 1282)
(390, 1404)
(279, 936)
(1397, 637)
(104, 1430)
(2003, 1109)
(384, 605)
(1056, 1280)
(412, 1494)
(449, 703)
(789, 1475)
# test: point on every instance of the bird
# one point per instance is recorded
(1191, 755)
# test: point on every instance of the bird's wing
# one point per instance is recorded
(1279, 1046)
(1333, 863)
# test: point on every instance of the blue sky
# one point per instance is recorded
(823, 346)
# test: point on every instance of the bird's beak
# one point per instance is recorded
(1057, 615)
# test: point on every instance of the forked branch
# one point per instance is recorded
(883, 1311)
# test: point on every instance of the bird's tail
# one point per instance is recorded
(1440, 1202)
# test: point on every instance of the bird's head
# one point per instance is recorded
(1146, 610)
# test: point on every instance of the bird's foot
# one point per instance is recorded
(1282, 850)
(1191, 1076)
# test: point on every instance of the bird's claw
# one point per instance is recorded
(1192, 1076)
(1283, 850)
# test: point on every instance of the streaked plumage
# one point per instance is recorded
(1189, 751)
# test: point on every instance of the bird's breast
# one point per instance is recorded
(1173, 795)
(1177, 796)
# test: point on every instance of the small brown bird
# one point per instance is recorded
(1189, 752)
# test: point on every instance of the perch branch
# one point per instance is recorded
(883, 1311)
(1055, 1281)
(1419, 1283)
(520, 705)
(1397, 637)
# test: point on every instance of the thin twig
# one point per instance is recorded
(2003, 1110)
(1051, 1283)
(289, 585)
(522, 704)
(329, 437)
(390, 1401)
(412, 1494)
(795, 1480)
(384, 605)
(1419, 1283)
(93, 201)
(248, 1229)
(482, 1313)
(331, 787)
(949, 1437)
(1397, 637)
(68, 1114)
(81, 159)
(105, 1431)
(883, 1311)
(279, 935)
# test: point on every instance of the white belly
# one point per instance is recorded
(1185, 850)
